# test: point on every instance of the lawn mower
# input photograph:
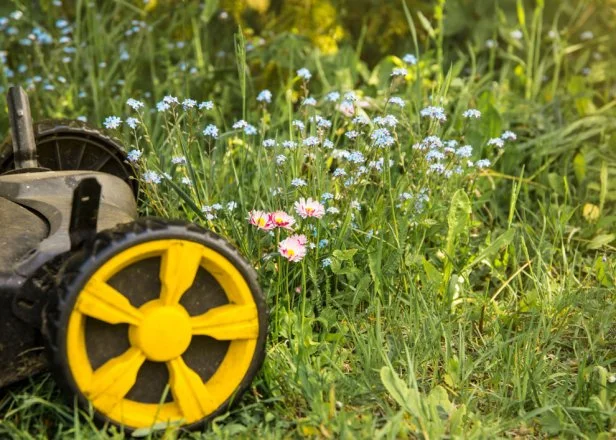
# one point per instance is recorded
(144, 321)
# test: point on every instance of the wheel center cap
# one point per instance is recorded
(165, 332)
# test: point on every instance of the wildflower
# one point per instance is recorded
(208, 105)
(516, 34)
(309, 208)
(178, 160)
(332, 97)
(490, 44)
(347, 108)
(281, 219)
(231, 206)
(432, 112)
(326, 196)
(304, 74)
(434, 155)
(83, 118)
(264, 96)
(133, 155)
(332, 210)
(352, 134)
(280, 159)
(356, 157)
(387, 120)
(311, 141)
(134, 104)
(237, 125)
(171, 99)
(268, 143)
(261, 220)
(188, 103)
(211, 131)
(396, 100)
(326, 262)
(498, 142)
(465, 151)
(322, 243)
(361, 120)
(132, 122)
(339, 172)
(381, 138)
(112, 122)
(509, 136)
(450, 146)
(586, 35)
(472, 113)
(399, 71)
(162, 106)
(297, 182)
(356, 205)
(323, 123)
(289, 144)
(16, 15)
(328, 144)
(186, 181)
(152, 177)
(437, 168)
(553, 34)
(293, 248)
(124, 55)
(309, 101)
(250, 130)
(410, 59)
(482, 163)
(298, 124)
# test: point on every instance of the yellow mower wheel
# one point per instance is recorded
(157, 322)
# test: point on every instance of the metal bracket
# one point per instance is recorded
(84, 214)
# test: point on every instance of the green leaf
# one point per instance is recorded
(426, 24)
(603, 177)
(344, 255)
(579, 167)
(407, 398)
(500, 242)
(601, 240)
(209, 9)
(433, 274)
(458, 220)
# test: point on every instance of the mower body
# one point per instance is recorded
(147, 321)
(36, 213)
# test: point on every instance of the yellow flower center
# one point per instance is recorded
(291, 252)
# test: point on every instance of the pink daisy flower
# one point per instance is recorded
(309, 208)
(281, 219)
(293, 248)
(261, 220)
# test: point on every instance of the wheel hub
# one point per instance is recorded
(165, 332)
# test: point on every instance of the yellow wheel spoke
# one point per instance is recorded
(111, 382)
(228, 322)
(178, 269)
(101, 301)
(189, 391)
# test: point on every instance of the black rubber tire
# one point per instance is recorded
(81, 264)
(64, 134)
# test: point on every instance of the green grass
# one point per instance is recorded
(489, 312)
